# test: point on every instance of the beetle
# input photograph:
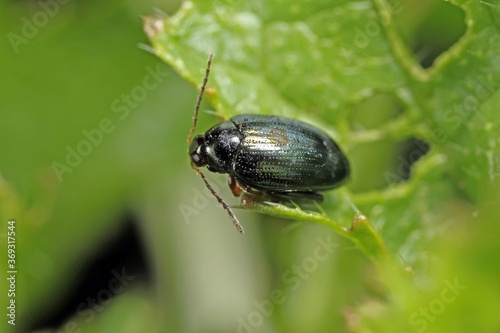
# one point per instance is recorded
(278, 157)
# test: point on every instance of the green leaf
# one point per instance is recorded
(320, 60)
(361, 231)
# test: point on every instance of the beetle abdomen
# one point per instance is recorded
(282, 154)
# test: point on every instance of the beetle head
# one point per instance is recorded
(197, 151)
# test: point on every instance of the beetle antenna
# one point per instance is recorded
(233, 217)
(200, 96)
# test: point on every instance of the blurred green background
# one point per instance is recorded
(124, 238)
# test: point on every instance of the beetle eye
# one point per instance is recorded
(197, 151)
(197, 160)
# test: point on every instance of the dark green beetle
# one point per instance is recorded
(279, 157)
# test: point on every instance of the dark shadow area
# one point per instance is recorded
(412, 150)
(120, 265)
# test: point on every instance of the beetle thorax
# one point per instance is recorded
(220, 149)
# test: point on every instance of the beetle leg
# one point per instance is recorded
(233, 185)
